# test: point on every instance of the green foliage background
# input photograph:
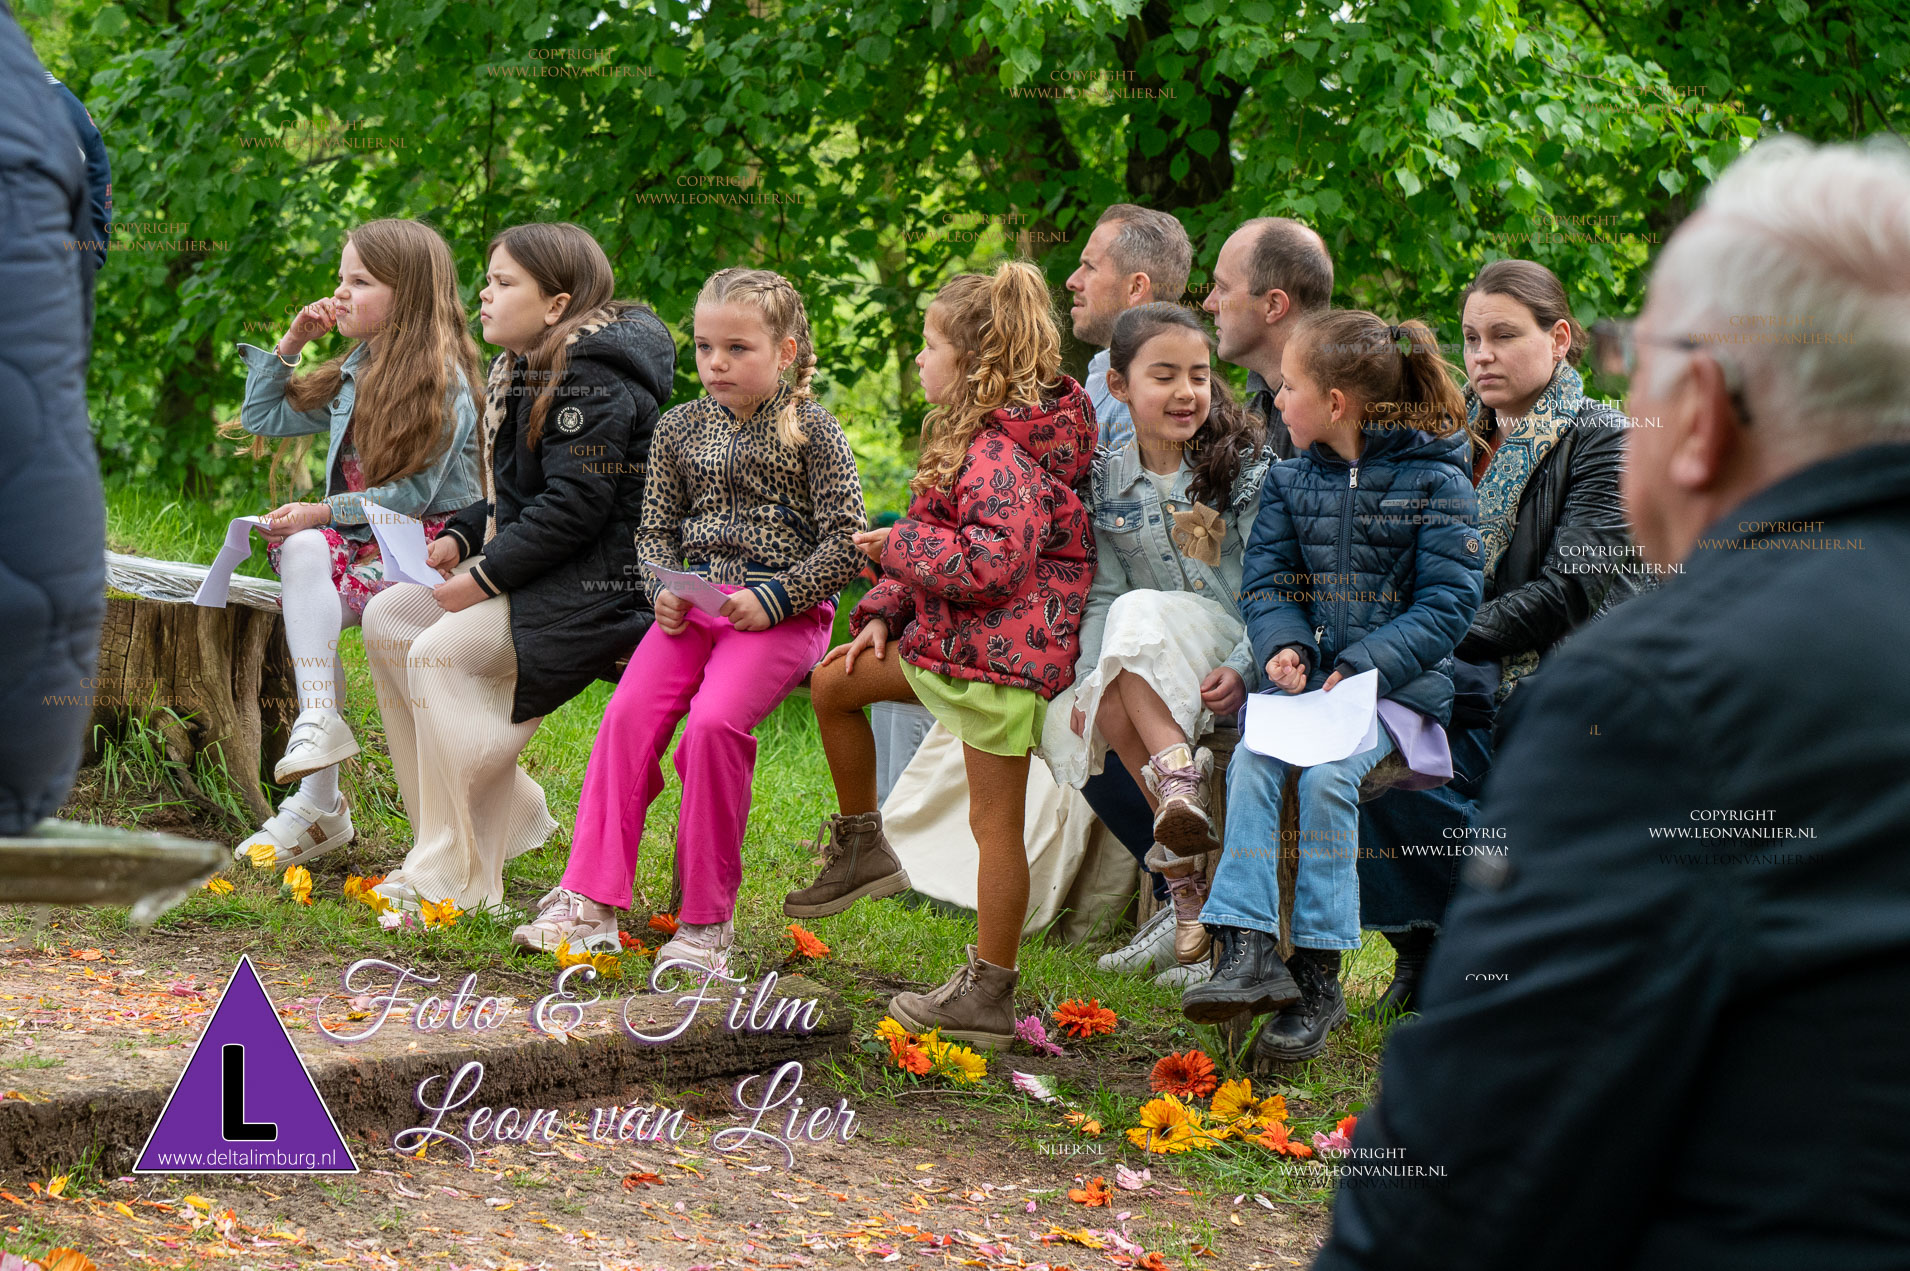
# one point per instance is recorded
(1421, 137)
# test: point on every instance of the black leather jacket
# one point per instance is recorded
(1547, 583)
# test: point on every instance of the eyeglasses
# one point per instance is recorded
(1615, 344)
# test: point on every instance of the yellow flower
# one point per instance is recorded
(442, 914)
(965, 1065)
(889, 1030)
(218, 886)
(1166, 1126)
(262, 855)
(298, 884)
(1235, 1105)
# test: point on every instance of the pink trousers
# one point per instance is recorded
(726, 681)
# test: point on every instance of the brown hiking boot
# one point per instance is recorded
(857, 862)
(1179, 777)
(975, 1006)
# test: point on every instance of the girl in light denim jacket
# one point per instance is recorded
(1164, 648)
(401, 411)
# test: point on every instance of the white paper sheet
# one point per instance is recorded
(698, 591)
(238, 546)
(401, 544)
(1315, 728)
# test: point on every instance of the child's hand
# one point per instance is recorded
(745, 611)
(874, 634)
(1223, 690)
(442, 554)
(673, 612)
(288, 519)
(871, 542)
(1331, 680)
(314, 320)
(1287, 671)
(1078, 722)
(458, 593)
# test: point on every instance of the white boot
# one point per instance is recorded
(320, 738)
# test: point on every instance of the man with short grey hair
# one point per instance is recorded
(1135, 255)
(1271, 272)
(1691, 901)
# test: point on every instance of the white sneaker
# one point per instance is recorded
(320, 739)
(1151, 949)
(298, 831)
(561, 920)
(706, 944)
(1179, 977)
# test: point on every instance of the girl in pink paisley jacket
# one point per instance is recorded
(985, 582)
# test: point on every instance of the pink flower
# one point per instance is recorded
(1032, 1031)
(1334, 1144)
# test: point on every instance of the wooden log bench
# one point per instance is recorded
(216, 684)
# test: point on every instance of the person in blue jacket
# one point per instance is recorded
(99, 171)
(1364, 557)
(52, 513)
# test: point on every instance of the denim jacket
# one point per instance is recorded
(448, 483)
(1134, 539)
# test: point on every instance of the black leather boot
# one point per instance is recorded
(1249, 978)
(1299, 1032)
(1410, 950)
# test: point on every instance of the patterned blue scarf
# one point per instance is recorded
(1528, 441)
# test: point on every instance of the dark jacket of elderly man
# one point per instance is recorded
(1670, 1027)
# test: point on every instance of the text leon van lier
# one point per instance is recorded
(558, 1014)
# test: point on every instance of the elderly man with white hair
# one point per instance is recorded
(1668, 1026)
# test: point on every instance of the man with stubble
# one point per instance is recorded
(1135, 256)
(1271, 272)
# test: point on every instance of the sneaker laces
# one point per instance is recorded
(1179, 783)
(564, 907)
(1189, 892)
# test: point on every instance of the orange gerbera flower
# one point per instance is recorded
(665, 923)
(1084, 1019)
(807, 946)
(1188, 1075)
(631, 944)
(1095, 1193)
(1275, 1139)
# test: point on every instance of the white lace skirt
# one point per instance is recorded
(1170, 639)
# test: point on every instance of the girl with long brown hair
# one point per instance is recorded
(985, 582)
(1164, 647)
(540, 594)
(399, 405)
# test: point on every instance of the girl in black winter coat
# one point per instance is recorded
(541, 593)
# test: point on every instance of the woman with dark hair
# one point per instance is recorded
(1557, 553)
(541, 594)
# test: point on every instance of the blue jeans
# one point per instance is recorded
(1246, 887)
(1412, 841)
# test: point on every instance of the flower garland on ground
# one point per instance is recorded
(926, 1054)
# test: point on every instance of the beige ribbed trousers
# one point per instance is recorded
(445, 683)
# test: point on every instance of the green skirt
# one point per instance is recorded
(991, 717)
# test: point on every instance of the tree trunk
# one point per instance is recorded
(212, 682)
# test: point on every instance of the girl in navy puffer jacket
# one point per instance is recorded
(1364, 557)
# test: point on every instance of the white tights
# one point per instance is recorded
(315, 614)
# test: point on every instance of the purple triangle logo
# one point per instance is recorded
(245, 1104)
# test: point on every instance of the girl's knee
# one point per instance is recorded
(305, 550)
